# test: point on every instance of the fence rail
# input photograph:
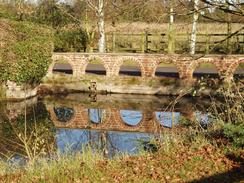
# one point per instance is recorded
(158, 43)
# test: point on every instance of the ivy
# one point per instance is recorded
(26, 57)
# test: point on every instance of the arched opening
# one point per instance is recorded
(130, 68)
(64, 114)
(95, 66)
(206, 70)
(239, 72)
(95, 115)
(62, 67)
(167, 70)
(168, 119)
(131, 118)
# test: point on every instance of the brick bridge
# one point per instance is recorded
(111, 119)
(148, 63)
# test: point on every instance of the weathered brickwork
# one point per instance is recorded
(111, 120)
(224, 65)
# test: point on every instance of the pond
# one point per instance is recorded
(113, 124)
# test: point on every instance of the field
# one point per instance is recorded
(139, 27)
(153, 38)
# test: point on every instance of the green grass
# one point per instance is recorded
(178, 159)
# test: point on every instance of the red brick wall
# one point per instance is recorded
(225, 65)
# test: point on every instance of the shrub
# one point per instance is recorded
(70, 40)
(26, 51)
(235, 133)
(227, 110)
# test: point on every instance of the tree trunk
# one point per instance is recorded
(100, 13)
(194, 28)
(171, 38)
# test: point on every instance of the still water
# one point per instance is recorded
(115, 124)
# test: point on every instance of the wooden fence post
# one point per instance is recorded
(114, 42)
(243, 43)
(146, 41)
(207, 43)
(171, 42)
(143, 42)
(228, 41)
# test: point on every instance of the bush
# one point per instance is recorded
(235, 133)
(227, 110)
(26, 51)
(70, 40)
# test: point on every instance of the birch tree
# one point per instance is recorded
(98, 7)
(194, 27)
(171, 40)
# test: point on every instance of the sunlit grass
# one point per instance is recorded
(186, 155)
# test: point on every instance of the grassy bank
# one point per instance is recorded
(190, 152)
(183, 156)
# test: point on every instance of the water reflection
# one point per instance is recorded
(95, 115)
(64, 114)
(74, 140)
(130, 117)
(168, 119)
(113, 123)
(203, 119)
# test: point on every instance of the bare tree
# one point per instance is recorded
(98, 7)
(171, 42)
(194, 27)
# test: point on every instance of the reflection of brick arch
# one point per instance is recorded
(134, 59)
(106, 117)
(80, 117)
(145, 123)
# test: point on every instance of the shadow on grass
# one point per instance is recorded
(234, 175)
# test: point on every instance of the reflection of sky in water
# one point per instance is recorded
(95, 115)
(202, 118)
(64, 114)
(72, 140)
(168, 119)
(131, 117)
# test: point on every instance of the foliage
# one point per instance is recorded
(30, 136)
(6, 12)
(68, 40)
(235, 133)
(51, 14)
(179, 162)
(26, 52)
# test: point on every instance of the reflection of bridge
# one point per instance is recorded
(104, 117)
(225, 65)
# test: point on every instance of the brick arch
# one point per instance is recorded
(229, 74)
(167, 60)
(90, 58)
(134, 59)
(57, 59)
(193, 65)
